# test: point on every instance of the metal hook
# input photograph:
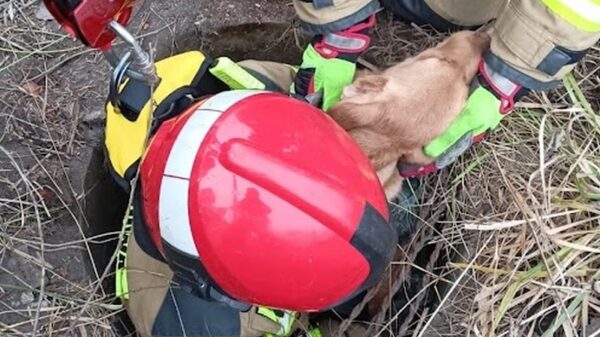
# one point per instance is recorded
(116, 80)
(142, 68)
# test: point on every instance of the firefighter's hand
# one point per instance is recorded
(329, 64)
(491, 99)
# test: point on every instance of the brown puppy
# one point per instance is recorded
(393, 114)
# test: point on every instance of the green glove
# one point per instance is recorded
(492, 99)
(329, 63)
(482, 113)
(321, 81)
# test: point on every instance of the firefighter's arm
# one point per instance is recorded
(340, 35)
(535, 44)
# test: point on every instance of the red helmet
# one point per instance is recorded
(258, 198)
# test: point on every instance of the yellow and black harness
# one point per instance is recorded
(136, 109)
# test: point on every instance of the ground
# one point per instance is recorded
(519, 215)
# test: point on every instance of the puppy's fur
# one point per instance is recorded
(393, 114)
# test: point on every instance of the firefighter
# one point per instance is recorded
(246, 201)
(535, 43)
(267, 180)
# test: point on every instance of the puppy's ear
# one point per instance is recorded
(365, 85)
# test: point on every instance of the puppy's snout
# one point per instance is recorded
(482, 39)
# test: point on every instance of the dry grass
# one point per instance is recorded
(519, 214)
(43, 251)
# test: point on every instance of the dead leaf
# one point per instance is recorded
(45, 194)
(32, 89)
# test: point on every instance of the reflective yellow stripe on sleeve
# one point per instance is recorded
(121, 286)
(583, 14)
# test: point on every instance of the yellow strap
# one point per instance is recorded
(124, 139)
(235, 76)
(583, 14)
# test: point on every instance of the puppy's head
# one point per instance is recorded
(463, 49)
(410, 102)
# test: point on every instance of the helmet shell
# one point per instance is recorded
(271, 198)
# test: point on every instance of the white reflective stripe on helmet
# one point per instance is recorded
(226, 99)
(173, 211)
(174, 216)
(187, 144)
(346, 42)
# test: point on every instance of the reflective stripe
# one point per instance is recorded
(502, 86)
(188, 142)
(226, 99)
(121, 285)
(315, 332)
(583, 14)
(268, 313)
(173, 214)
(346, 42)
(173, 209)
(286, 323)
(234, 75)
(500, 83)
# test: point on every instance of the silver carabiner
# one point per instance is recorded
(117, 79)
(141, 66)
